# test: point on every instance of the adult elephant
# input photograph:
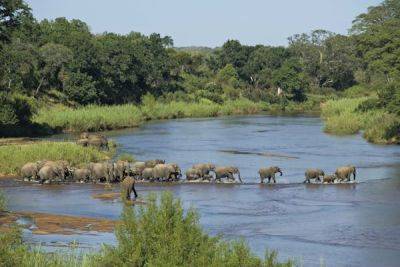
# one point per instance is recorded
(345, 172)
(205, 169)
(81, 175)
(82, 142)
(121, 169)
(152, 163)
(61, 167)
(136, 168)
(269, 173)
(102, 172)
(167, 172)
(311, 174)
(193, 174)
(227, 172)
(127, 186)
(147, 174)
(30, 170)
(97, 141)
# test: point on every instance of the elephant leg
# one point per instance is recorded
(134, 191)
(262, 180)
(273, 177)
(269, 179)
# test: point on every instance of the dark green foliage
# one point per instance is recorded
(16, 109)
(389, 96)
(80, 87)
(369, 104)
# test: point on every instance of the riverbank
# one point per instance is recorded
(100, 118)
(351, 115)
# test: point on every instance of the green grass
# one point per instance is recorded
(98, 118)
(160, 233)
(342, 118)
(12, 157)
(90, 118)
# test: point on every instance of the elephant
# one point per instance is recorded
(269, 173)
(30, 170)
(121, 169)
(177, 171)
(47, 174)
(152, 163)
(83, 142)
(345, 172)
(166, 172)
(205, 169)
(313, 174)
(147, 174)
(81, 175)
(227, 172)
(127, 186)
(136, 168)
(329, 178)
(61, 167)
(193, 174)
(98, 141)
(100, 172)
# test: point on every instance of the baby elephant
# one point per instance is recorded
(330, 179)
(313, 174)
(269, 173)
(127, 186)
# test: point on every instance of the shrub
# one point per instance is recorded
(369, 104)
(161, 233)
(16, 109)
(384, 129)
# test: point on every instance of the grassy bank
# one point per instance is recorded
(12, 157)
(99, 118)
(344, 116)
(160, 233)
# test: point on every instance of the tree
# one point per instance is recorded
(377, 35)
(290, 78)
(54, 61)
(81, 88)
(11, 14)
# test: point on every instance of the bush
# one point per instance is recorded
(369, 104)
(389, 97)
(163, 234)
(384, 129)
(16, 109)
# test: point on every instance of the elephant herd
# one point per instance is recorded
(157, 170)
(109, 172)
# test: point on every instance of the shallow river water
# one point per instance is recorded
(337, 225)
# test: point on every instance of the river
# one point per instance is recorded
(354, 224)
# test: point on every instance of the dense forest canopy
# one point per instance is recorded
(62, 61)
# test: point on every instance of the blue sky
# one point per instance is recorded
(207, 22)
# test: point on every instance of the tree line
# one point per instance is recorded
(61, 60)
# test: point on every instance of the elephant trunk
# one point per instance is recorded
(280, 172)
(240, 179)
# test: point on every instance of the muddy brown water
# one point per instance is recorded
(337, 225)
